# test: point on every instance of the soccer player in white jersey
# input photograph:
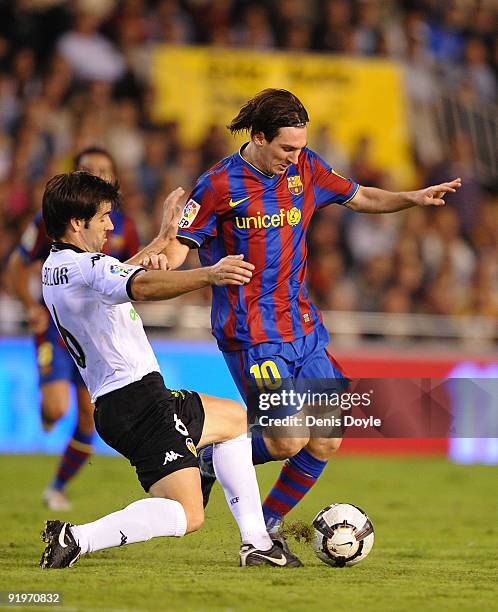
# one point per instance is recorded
(158, 430)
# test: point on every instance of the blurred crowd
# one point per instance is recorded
(76, 74)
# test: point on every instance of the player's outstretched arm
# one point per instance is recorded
(163, 285)
(373, 200)
(151, 255)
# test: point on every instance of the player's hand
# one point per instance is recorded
(433, 196)
(38, 317)
(231, 270)
(172, 212)
(153, 261)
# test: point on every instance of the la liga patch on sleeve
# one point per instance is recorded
(190, 212)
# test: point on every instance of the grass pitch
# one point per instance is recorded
(436, 543)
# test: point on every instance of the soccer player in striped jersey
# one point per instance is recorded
(259, 202)
(57, 371)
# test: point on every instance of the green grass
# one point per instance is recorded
(436, 544)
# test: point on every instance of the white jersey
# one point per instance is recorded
(88, 296)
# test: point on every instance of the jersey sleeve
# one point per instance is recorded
(34, 244)
(109, 277)
(198, 222)
(329, 186)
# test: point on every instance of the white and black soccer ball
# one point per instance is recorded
(343, 535)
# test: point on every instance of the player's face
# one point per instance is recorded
(94, 233)
(284, 149)
(98, 164)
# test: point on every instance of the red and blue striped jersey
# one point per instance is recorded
(235, 208)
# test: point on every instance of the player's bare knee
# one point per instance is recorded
(324, 448)
(195, 519)
(53, 409)
(238, 419)
(283, 448)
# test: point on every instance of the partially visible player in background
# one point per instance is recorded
(123, 241)
(57, 370)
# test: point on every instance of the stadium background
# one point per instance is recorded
(400, 93)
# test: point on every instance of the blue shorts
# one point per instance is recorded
(54, 361)
(305, 359)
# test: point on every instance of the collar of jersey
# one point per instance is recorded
(59, 246)
(251, 165)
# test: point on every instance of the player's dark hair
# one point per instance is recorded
(76, 195)
(94, 150)
(268, 111)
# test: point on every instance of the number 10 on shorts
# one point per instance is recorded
(266, 375)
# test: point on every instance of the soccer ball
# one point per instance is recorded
(343, 535)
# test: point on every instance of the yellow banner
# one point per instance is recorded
(354, 98)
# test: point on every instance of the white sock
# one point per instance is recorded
(138, 522)
(234, 470)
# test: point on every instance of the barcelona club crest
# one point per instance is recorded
(295, 184)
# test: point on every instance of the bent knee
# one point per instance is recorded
(324, 448)
(195, 519)
(283, 448)
(53, 408)
(238, 418)
(54, 400)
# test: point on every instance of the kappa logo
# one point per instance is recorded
(95, 258)
(171, 456)
(190, 212)
(232, 204)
